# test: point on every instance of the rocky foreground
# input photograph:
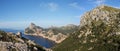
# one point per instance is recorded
(5, 46)
(57, 34)
(14, 42)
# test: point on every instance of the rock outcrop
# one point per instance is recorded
(33, 29)
(99, 31)
(57, 34)
(5, 46)
(12, 42)
(19, 34)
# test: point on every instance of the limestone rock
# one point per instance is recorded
(99, 30)
(57, 34)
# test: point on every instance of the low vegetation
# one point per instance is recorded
(98, 35)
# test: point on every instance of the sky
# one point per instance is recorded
(18, 14)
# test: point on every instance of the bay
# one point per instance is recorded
(37, 39)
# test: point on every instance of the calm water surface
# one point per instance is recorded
(40, 41)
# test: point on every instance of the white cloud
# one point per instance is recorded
(99, 2)
(117, 7)
(77, 16)
(51, 6)
(76, 5)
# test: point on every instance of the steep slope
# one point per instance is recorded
(99, 31)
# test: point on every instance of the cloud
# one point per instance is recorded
(77, 16)
(53, 6)
(76, 5)
(99, 2)
(50, 6)
(117, 7)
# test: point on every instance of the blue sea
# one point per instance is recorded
(37, 39)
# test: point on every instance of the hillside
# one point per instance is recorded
(99, 31)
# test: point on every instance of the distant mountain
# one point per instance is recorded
(57, 34)
(99, 31)
(33, 29)
(70, 28)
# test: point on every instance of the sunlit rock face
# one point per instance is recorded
(7, 46)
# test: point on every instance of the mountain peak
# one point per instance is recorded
(32, 25)
(104, 13)
(102, 6)
(107, 8)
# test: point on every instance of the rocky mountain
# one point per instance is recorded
(99, 31)
(57, 34)
(33, 29)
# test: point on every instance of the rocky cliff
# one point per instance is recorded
(57, 34)
(99, 31)
(33, 29)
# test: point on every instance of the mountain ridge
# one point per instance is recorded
(99, 31)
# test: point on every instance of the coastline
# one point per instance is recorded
(53, 38)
